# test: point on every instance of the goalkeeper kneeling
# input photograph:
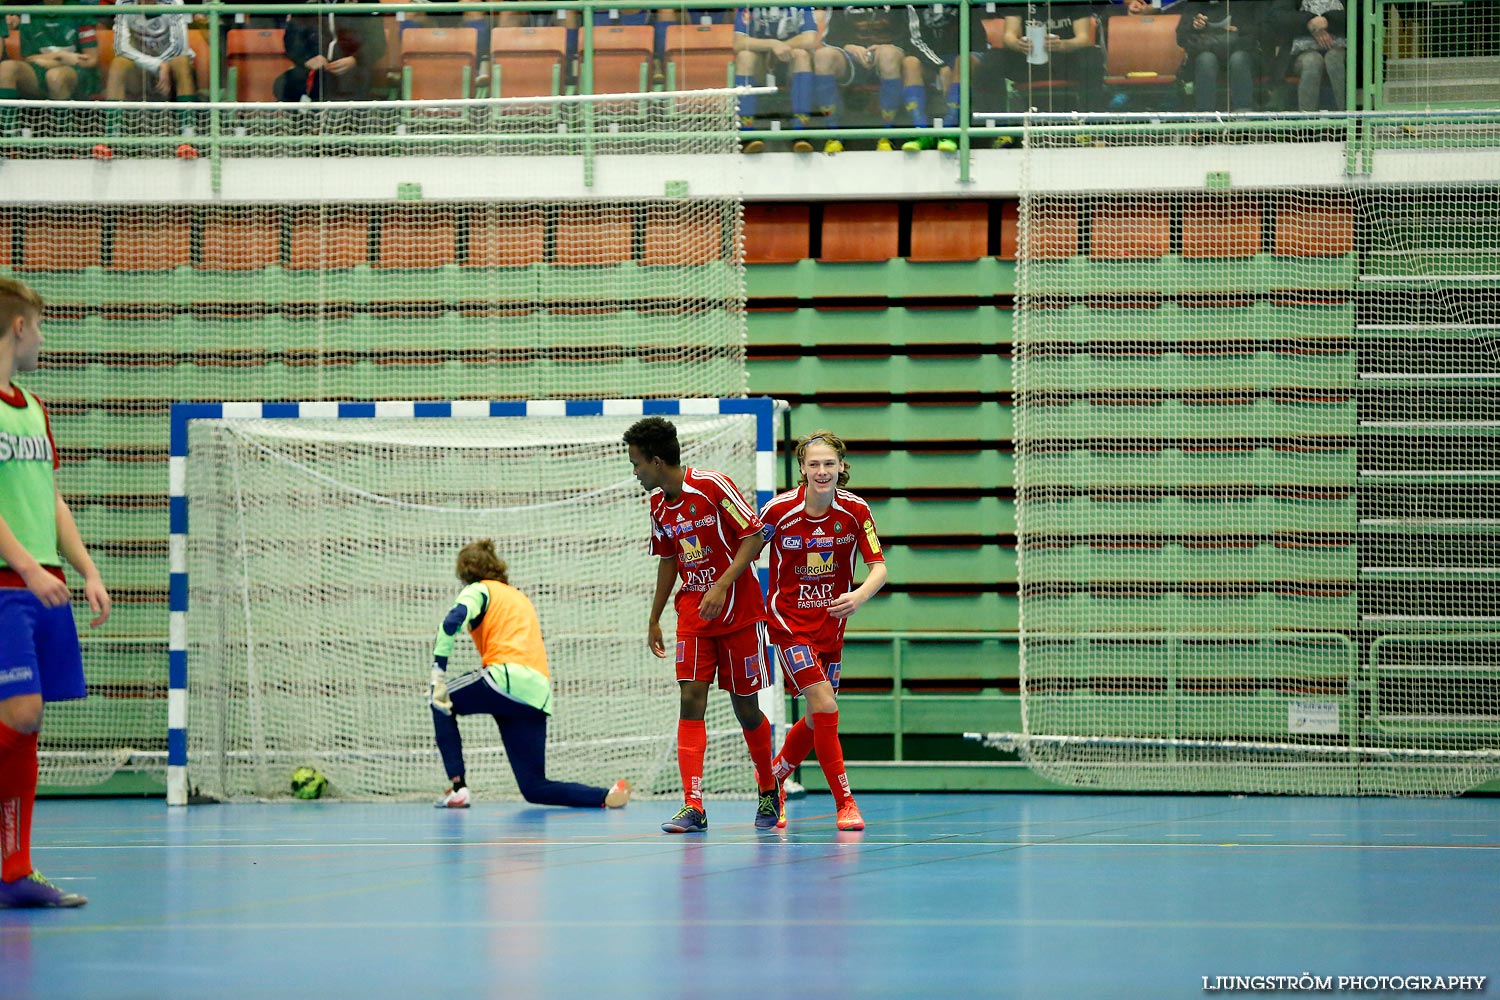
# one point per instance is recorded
(513, 687)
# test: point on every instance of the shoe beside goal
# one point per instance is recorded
(312, 554)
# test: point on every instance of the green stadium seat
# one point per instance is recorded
(894, 374)
(898, 421)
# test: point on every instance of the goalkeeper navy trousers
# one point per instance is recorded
(523, 730)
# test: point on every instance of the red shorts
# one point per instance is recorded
(803, 666)
(737, 659)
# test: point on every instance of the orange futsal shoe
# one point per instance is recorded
(849, 817)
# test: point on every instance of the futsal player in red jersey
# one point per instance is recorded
(814, 532)
(704, 532)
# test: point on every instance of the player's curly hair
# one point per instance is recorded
(477, 561)
(655, 437)
(833, 441)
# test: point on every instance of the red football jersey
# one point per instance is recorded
(812, 563)
(703, 528)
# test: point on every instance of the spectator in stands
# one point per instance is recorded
(1313, 33)
(783, 40)
(1222, 37)
(1060, 44)
(334, 57)
(153, 60)
(932, 33)
(863, 45)
(59, 56)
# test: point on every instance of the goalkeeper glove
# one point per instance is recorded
(437, 692)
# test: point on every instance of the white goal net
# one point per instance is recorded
(320, 560)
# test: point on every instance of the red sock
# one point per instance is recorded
(794, 749)
(692, 739)
(759, 742)
(831, 754)
(18, 773)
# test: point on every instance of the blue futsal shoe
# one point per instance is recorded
(689, 819)
(768, 810)
(34, 891)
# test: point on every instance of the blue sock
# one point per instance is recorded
(890, 101)
(915, 97)
(747, 101)
(661, 37)
(950, 117)
(802, 99)
(826, 99)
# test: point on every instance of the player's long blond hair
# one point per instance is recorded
(833, 441)
(477, 561)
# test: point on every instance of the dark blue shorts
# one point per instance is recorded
(39, 651)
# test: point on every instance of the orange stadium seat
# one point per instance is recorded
(590, 237)
(198, 41)
(104, 36)
(439, 62)
(239, 239)
(777, 234)
(860, 231)
(1010, 222)
(1321, 229)
(949, 230)
(680, 240)
(528, 62)
(329, 240)
(7, 228)
(1143, 51)
(417, 237)
(622, 58)
(257, 56)
(1133, 230)
(699, 55)
(58, 240)
(13, 46)
(1054, 229)
(160, 241)
(500, 238)
(1220, 226)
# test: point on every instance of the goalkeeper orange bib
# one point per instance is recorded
(509, 631)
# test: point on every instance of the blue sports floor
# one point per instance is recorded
(951, 896)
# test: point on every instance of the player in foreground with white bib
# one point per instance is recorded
(814, 532)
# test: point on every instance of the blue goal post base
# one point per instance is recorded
(762, 408)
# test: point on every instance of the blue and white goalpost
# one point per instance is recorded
(312, 553)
